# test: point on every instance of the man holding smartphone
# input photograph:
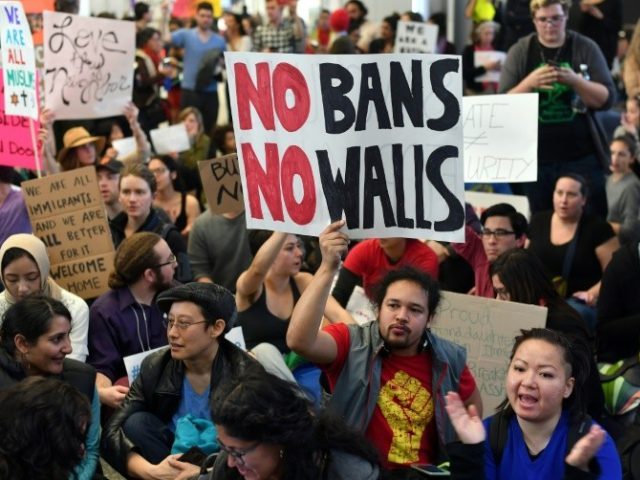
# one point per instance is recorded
(570, 74)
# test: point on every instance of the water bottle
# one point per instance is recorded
(577, 104)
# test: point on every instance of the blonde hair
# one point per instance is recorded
(633, 52)
(536, 5)
(185, 112)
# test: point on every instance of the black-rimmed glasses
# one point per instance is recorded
(238, 455)
(172, 259)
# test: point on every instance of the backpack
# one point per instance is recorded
(499, 432)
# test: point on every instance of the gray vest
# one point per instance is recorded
(356, 391)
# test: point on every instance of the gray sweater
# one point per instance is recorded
(623, 201)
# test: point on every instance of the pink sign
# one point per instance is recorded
(16, 148)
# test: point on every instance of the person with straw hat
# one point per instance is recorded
(80, 149)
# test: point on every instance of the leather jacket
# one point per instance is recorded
(157, 390)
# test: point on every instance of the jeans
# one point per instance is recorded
(150, 435)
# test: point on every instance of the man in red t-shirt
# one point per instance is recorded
(388, 377)
(371, 259)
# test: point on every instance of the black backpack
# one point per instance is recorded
(499, 432)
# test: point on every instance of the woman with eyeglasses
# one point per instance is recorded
(572, 79)
(573, 245)
(163, 429)
(181, 207)
(267, 430)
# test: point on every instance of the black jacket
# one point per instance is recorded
(157, 389)
(75, 373)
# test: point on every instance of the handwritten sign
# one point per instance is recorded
(170, 139)
(481, 58)
(236, 336)
(88, 65)
(16, 147)
(374, 139)
(486, 328)
(18, 61)
(501, 138)
(221, 183)
(415, 37)
(67, 214)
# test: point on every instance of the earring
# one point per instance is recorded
(281, 453)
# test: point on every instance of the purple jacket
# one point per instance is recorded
(119, 326)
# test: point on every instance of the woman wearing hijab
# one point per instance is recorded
(24, 271)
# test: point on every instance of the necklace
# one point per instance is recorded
(553, 61)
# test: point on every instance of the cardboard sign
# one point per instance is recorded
(170, 139)
(16, 147)
(487, 329)
(88, 65)
(482, 58)
(373, 139)
(415, 37)
(500, 138)
(18, 62)
(67, 214)
(221, 183)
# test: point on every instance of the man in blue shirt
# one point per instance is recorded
(202, 62)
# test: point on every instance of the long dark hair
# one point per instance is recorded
(263, 408)
(525, 278)
(31, 317)
(575, 353)
(43, 424)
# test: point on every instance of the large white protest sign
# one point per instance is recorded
(415, 37)
(486, 328)
(373, 139)
(88, 65)
(18, 62)
(170, 139)
(481, 58)
(500, 138)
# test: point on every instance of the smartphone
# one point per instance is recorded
(431, 470)
(553, 63)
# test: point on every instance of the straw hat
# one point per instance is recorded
(77, 136)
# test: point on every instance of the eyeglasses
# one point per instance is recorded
(237, 454)
(497, 233)
(180, 325)
(159, 170)
(554, 20)
(172, 259)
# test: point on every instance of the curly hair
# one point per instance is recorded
(410, 274)
(43, 424)
(263, 408)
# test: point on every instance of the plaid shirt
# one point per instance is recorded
(276, 38)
